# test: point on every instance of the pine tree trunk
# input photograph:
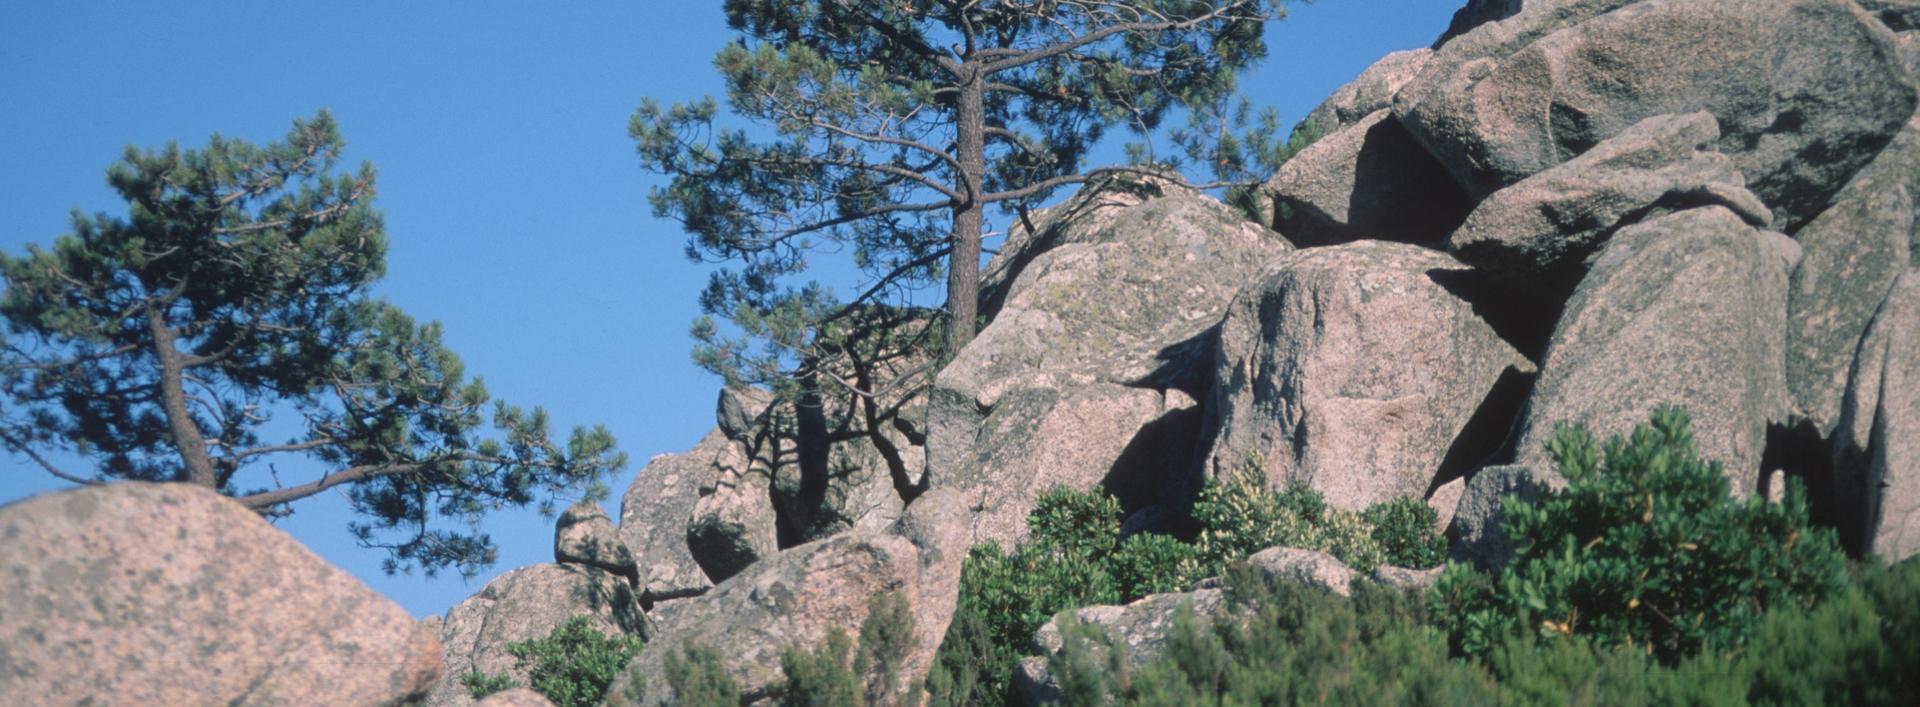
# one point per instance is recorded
(963, 263)
(173, 400)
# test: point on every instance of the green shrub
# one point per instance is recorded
(1151, 563)
(699, 678)
(480, 684)
(822, 677)
(572, 665)
(1644, 549)
(1239, 516)
(1407, 531)
(1069, 523)
(1283, 644)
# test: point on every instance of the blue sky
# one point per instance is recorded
(515, 207)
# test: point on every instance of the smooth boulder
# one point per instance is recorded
(1099, 341)
(654, 513)
(168, 594)
(1354, 370)
(523, 605)
(1805, 91)
(1369, 180)
(1851, 254)
(1689, 310)
(586, 536)
(1546, 226)
(1877, 445)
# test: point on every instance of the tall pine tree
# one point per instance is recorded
(889, 129)
(156, 347)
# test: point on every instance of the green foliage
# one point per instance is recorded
(1239, 516)
(572, 665)
(839, 673)
(1071, 560)
(1408, 532)
(159, 346)
(1284, 644)
(822, 677)
(892, 127)
(1643, 549)
(699, 678)
(480, 684)
(1151, 563)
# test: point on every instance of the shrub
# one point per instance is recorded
(822, 677)
(1239, 516)
(1151, 563)
(1407, 531)
(572, 665)
(1296, 646)
(1645, 549)
(699, 678)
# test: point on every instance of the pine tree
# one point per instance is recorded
(157, 345)
(892, 126)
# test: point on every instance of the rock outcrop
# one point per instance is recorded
(1688, 310)
(523, 605)
(168, 594)
(1354, 370)
(1541, 230)
(1086, 375)
(1805, 91)
(1877, 446)
(796, 597)
(1367, 180)
(586, 536)
(654, 513)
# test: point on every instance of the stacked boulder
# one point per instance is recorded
(1566, 211)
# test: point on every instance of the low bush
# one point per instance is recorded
(1643, 549)
(572, 665)
(841, 673)
(699, 678)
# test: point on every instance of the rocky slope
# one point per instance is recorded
(1563, 211)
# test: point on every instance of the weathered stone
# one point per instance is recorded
(1105, 314)
(1877, 444)
(1806, 91)
(1368, 93)
(1545, 226)
(1445, 500)
(733, 524)
(742, 411)
(1139, 628)
(586, 536)
(523, 605)
(1851, 254)
(790, 599)
(1476, 13)
(1353, 370)
(1689, 310)
(1478, 525)
(654, 513)
(1406, 578)
(168, 594)
(516, 697)
(1304, 567)
(1368, 180)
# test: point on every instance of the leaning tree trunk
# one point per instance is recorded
(963, 263)
(173, 400)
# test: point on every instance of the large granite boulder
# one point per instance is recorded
(1877, 444)
(1851, 255)
(1687, 309)
(1806, 91)
(1367, 180)
(1371, 91)
(1478, 530)
(654, 513)
(1354, 370)
(1544, 227)
(523, 605)
(1476, 13)
(795, 598)
(1099, 339)
(168, 594)
(586, 536)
